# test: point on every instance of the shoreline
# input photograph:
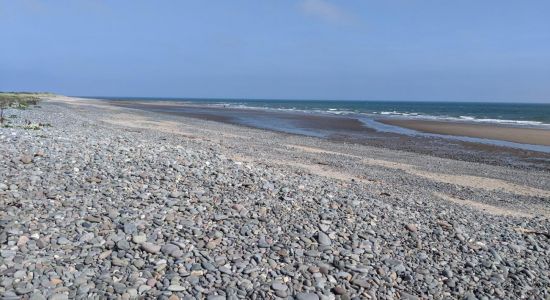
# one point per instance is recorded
(532, 136)
(348, 129)
(341, 123)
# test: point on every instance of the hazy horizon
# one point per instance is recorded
(468, 51)
(289, 99)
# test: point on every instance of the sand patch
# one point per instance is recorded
(319, 170)
(477, 182)
(470, 181)
(490, 209)
(315, 169)
(534, 136)
(136, 121)
(317, 150)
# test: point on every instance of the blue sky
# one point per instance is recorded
(491, 50)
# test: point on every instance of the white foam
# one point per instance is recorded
(394, 113)
(418, 116)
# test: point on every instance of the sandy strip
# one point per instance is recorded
(490, 209)
(317, 150)
(503, 133)
(139, 122)
(470, 181)
(320, 171)
(495, 210)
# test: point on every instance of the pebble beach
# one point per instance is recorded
(107, 202)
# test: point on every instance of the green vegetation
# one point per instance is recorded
(18, 100)
(36, 126)
(32, 126)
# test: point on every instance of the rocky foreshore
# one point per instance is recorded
(111, 204)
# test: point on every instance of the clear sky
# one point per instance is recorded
(489, 50)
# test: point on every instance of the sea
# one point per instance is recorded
(517, 114)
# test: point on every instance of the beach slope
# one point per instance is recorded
(105, 201)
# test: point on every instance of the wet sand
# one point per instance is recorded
(503, 133)
(255, 118)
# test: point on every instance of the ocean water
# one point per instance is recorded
(526, 114)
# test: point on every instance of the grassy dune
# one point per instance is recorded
(19, 100)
